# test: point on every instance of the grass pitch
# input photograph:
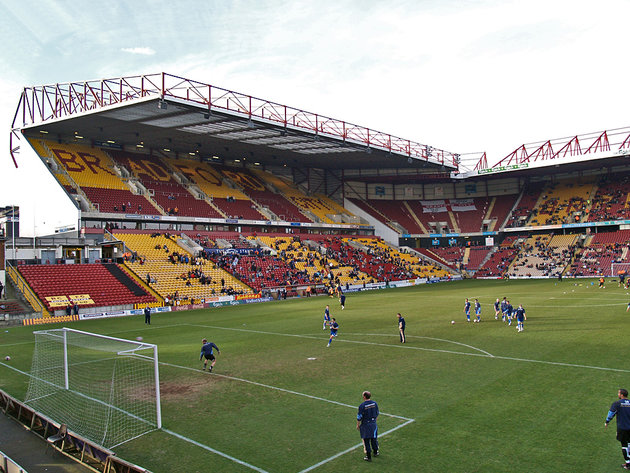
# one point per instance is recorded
(461, 397)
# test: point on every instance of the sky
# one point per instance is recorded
(464, 76)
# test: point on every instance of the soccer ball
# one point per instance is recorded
(452, 322)
(8, 358)
(139, 339)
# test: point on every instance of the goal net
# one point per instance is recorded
(103, 388)
(617, 269)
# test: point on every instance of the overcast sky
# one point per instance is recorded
(462, 76)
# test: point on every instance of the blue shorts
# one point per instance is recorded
(478, 311)
(333, 334)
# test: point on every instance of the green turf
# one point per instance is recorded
(483, 397)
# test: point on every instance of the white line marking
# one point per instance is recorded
(210, 449)
(255, 383)
(496, 357)
(418, 336)
(348, 450)
(360, 342)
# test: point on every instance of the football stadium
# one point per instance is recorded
(208, 214)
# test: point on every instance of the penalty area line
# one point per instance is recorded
(276, 388)
(210, 449)
(348, 450)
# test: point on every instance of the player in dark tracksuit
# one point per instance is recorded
(621, 409)
(326, 317)
(504, 305)
(334, 327)
(509, 312)
(401, 328)
(207, 352)
(467, 309)
(521, 317)
(366, 425)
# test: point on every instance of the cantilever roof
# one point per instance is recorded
(166, 112)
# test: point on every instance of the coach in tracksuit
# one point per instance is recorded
(366, 425)
(621, 409)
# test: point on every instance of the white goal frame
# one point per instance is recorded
(625, 266)
(104, 388)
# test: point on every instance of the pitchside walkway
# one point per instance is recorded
(29, 450)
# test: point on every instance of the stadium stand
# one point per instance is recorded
(174, 273)
(498, 211)
(367, 207)
(395, 211)
(94, 173)
(544, 256)
(470, 220)
(528, 199)
(230, 201)
(256, 189)
(383, 259)
(562, 202)
(476, 256)
(314, 258)
(453, 256)
(157, 178)
(599, 253)
(90, 285)
(12, 307)
(499, 260)
(612, 199)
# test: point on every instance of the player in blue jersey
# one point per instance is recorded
(621, 409)
(326, 317)
(520, 317)
(497, 309)
(207, 353)
(509, 312)
(467, 309)
(334, 326)
(503, 309)
(366, 425)
(477, 310)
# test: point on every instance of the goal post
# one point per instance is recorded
(103, 388)
(619, 268)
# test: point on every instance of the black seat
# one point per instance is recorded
(58, 437)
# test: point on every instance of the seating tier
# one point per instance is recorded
(93, 280)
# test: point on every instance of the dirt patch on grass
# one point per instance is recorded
(189, 389)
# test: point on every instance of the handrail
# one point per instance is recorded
(8, 464)
(26, 291)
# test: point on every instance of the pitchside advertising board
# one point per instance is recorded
(209, 302)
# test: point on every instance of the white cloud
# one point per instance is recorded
(143, 51)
